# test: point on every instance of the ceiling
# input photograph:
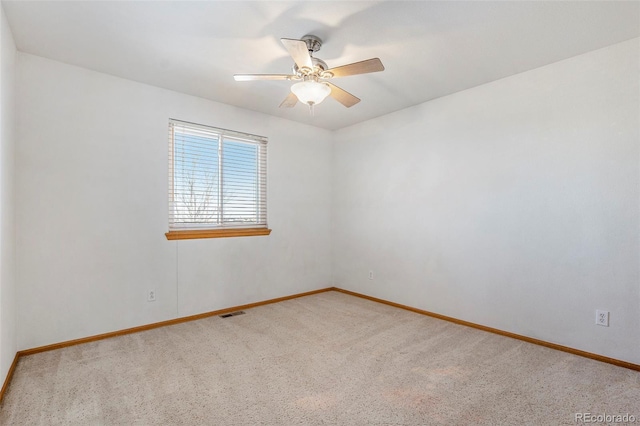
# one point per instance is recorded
(429, 48)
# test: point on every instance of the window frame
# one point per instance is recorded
(220, 229)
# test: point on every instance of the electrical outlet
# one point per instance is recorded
(151, 296)
(602, 318)
(370, 275)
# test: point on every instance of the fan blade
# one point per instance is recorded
(298, 51)
(253, 77)
(342, 96)
(290, 101)
(362, 67)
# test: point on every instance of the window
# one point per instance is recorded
(217, 182)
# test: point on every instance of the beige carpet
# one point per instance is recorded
(327, 359)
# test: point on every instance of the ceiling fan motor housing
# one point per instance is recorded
(314, 43)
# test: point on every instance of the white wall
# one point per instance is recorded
(513, 204)
(7, 198)
(91, 179)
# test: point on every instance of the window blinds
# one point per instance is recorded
(217, 178)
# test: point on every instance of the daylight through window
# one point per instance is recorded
(217, 182)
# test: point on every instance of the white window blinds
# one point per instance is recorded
(217, 178)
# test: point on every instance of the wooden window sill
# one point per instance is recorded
(191, 234)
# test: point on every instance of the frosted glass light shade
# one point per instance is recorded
(311, 92)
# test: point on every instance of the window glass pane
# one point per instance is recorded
(240, 182)
(196, 177)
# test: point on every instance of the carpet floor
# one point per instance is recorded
(325, 359)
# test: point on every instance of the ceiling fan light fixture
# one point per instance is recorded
(311, 92)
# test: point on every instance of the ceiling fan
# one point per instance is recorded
(312, 74)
